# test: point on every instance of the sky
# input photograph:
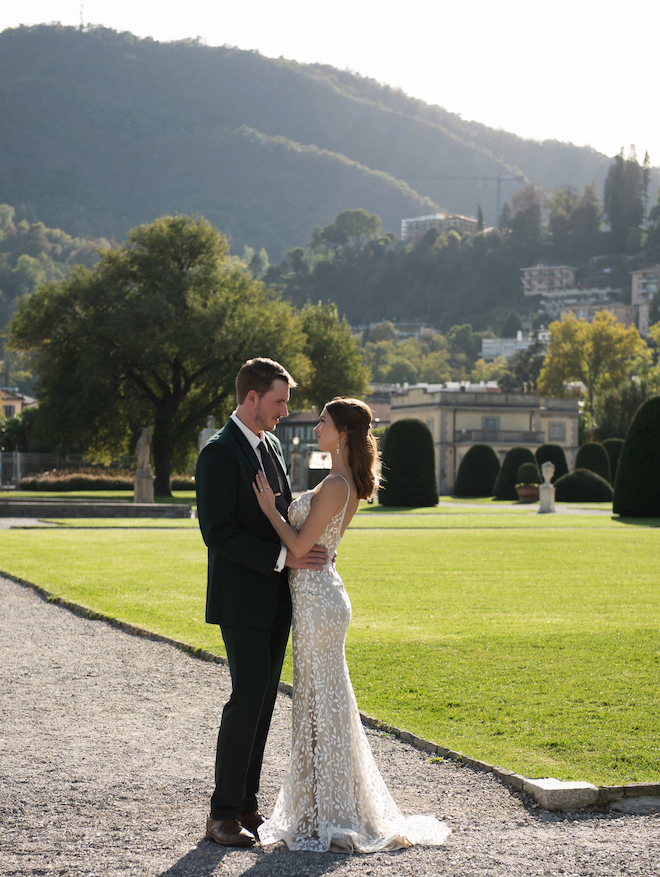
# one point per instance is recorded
(572, 70)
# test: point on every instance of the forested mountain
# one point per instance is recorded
(103, 130)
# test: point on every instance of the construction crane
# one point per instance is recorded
(500, 180)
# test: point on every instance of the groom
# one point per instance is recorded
(247, 589)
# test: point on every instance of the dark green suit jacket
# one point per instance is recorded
(242, 587)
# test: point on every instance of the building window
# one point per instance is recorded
(557, 432)
(10, 410)
(491, 425)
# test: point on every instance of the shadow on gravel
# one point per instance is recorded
(203, 860)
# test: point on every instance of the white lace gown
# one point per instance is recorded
(333, 796)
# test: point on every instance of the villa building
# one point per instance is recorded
(459, 419)
(413, 230)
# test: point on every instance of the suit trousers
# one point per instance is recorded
(255, 659)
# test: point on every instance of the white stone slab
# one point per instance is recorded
(554, 794)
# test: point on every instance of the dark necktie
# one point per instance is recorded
(271, 474)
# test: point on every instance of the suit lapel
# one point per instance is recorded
(275, 453)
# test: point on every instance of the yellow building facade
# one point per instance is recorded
(458, 420)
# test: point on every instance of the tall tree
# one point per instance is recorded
(599, 354)
(155, 333)
(337, 368)
(624, 208)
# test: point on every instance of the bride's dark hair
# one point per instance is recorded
(354, 418)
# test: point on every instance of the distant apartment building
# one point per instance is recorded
(547, 279)
(413, 230)
(460, 418)
(626, 314)
(645, 284)
(555, 284)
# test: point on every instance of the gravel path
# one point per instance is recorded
(107, 755)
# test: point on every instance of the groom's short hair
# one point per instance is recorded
(258, 374)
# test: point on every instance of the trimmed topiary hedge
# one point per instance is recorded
(94, 480)
(613, 446)
(637, 487)
(583, 485)
(408, 466)
(552, 454)
(528, 473)
(505, 485)
(477, 472)
(593, 455)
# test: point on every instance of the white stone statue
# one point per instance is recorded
(206, 433)
(143, 451)
(547, 490)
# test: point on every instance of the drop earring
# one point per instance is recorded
(338, 447)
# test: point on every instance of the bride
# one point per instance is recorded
(333, 796)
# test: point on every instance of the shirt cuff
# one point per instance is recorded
(279, 566)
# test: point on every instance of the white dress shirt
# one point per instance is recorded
(255, 440)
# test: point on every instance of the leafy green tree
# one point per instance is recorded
(511, 326)
(154, 334)
(16, 432)
(623, 202)
(600, 354)
(337, 368)
(614, 411)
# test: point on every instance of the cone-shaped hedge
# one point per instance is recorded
(552, 454)
(477, 473)
(505, 485)
(593, 456)
(583, 485)
(613, 446)
(637, 487)
(408, 466)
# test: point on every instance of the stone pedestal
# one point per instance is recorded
(144, 486)
(547, 490)
(298, 480)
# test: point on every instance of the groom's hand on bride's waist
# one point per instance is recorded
(316, 558)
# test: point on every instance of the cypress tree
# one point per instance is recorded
(408, 466)
(637, 486)
(505, 485)
(552, 454)
(593, 456)
(477, 472)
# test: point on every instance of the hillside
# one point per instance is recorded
(103, 130)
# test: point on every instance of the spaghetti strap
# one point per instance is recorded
(348, 496)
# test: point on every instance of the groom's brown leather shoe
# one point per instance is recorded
(229, 833)
(252, 821)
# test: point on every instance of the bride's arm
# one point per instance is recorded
(328, 500)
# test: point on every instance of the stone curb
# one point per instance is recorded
(549, 793)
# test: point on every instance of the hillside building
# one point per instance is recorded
(645, 285)
(12, 402)
(458, 419)
(560, 294)
(413, 230)
(626, 314)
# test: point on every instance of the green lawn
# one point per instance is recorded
(536, 649)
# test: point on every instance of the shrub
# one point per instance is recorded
(477, 472)
(183, 482)
(505, 485)
(552, 454)
(583, 485)
(409, 466)
(593, 456)
(62, 480)
(613, 446)
(637, 487)
(528, 473)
